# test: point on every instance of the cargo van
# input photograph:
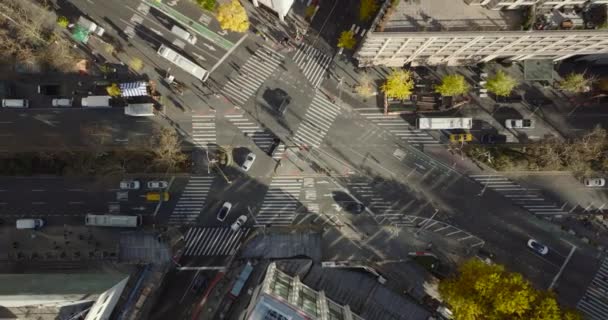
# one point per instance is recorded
(96, 102)
(15, 103)
(30, 223)
(183, 34)
(62, 102)
(155, 196)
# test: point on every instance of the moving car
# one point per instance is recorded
(238, 223)
(493, 138)
(538, 247)
(519, 123)
(129, 185)
(155, 196)
(354, 207)
(62, 102)
(29, 223)
(224, 210)
(248, 161)
(595, 182)
(183, 34)
(49, 89)
(461, 137)
(157, 184)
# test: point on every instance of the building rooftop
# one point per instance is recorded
(450, 15)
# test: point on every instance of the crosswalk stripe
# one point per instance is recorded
(213, 241)
(312, 62)
(191, 201)
(280, 201)
(317, 121)
(401, 129)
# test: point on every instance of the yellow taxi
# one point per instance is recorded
(155, 196)
(461, 137)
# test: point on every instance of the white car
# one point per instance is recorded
(538, 247)
(158, 184)
(130, 185)
(595, 182)
(224, 210)
(238, 223)
(248, 161)
(519, 123)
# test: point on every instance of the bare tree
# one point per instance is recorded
(166, 146)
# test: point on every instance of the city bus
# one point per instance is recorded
(180, 61)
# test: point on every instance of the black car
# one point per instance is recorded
(493, 138)
(49, 89)
(354, 207)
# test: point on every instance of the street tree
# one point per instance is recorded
(365, 88)
(399, 84)
(113, 90)
(63, 22)
(347, 40)
(232, 16)
(366, 9)
(207, 4)
(136, 64)
(482, 291)
(166, 146)
(501, 84)
(452, 85)
(575, 83)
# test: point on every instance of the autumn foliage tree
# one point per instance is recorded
(575, 83)
(399, 84)
(232, 16)
(452, 85)
(482, 291)
(366, 9)
(347, 40)
(501, 84)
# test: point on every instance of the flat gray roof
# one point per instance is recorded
(450, 15)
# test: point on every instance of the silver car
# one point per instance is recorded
(129, 185)
(538, 247)
(157, 185)
(595, 182)
(248, 161)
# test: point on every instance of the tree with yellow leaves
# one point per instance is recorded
(113, 90)
(366, 9)
(347, 40)
(232, 16)
(482, 291)
(399, 84)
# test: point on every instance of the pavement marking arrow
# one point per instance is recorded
(199, 56)
(210, 47)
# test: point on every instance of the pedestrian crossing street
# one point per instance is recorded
(317, 121)
(529, 199)
(203, 130)
(400, 128)
(262, 138)
(252, 74)
(594, 303)
(280, 202)
(213, 241)
(191, 201)
(312, 62)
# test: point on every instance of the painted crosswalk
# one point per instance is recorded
(594, 303)
(400, 128)
(221, 241)
(280, 202)
(191, 201)
(279, 152)
(203, 129)
(312, 62)
(317, 121)
(263, 138)
(252, 74)
(530, 199)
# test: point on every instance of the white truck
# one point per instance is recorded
(444, 123)
(112, 221)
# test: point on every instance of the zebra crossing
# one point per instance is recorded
(262, 138)
(213, 241)
(398, 127)
(530, 199)
(279, 152)
(312, 62)
(191, 201)
(594, 303)
(252, 74)
(280, 202)
(203, 130)
(317, 121)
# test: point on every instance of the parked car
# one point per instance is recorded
(595, 182)
(29, 223)
(238, 223)
(354, 207)
(519, 123)
(493, 138)
(158, 184)
(224, 210)
(155, 196)
(461, 137)
(248, 161)
(130, 185)
(62, 102)
(538, 247)
(49, 89)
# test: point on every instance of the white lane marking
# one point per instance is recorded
(73, 190)
(76, 202)
(37, 190)
(156, 31)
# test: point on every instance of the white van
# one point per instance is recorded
(96, 102)
(30, 223)
(62, 102)
(183, 34)
(15, 103)
(182, 62)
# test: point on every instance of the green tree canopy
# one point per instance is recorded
(366, 9)
(501, 84)
(575, 83)
(399, 84)
(482, 291)
(347, 40)
(452, 85)
(207, 4)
